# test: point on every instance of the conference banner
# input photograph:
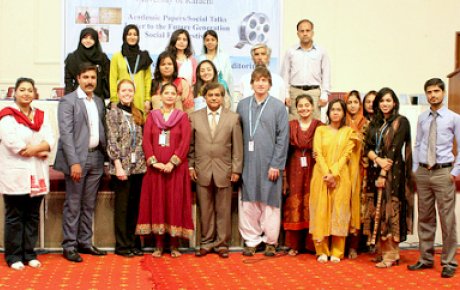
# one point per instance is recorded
(239, 24)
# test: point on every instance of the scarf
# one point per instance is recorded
(132, 51)
(160, 122)
(124, 107)
(82, 54)
(22, 119)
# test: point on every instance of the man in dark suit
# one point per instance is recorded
(215, 160)
(80, 157)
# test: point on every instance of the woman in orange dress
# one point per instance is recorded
(358, 123)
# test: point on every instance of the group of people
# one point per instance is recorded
(349, 181)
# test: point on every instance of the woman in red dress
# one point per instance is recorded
(166, 198)
(298, 173)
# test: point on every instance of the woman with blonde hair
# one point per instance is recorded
(127, 167)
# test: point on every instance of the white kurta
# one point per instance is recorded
(15, 170)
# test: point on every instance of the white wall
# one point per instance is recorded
(371, 43)
(374, 43)
(31, 40)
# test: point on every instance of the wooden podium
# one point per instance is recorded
(454, 91)
(454, 79)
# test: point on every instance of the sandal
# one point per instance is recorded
(322, 258)
(387, 264)
(335, 259)
(293, 252)
(377, 259)
(249, 251)
(352, 254)
(157, 252)
(175, 253)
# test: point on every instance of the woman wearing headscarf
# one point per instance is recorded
(88, 50)
(133, 64)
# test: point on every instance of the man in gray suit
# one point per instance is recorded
(80, 157)
(215, 161)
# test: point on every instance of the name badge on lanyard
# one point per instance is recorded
(303, 161)
(252, 131)
(162, 138)
(251, 146)
(136, 65)
(133, 157)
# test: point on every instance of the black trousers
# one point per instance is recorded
(22, 215)
(127, 197)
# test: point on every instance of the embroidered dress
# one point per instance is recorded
(397, 198)
(296, 207)
(166, 198)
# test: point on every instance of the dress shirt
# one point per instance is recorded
(93, 118)
(448, 127)
(309, 67)
(209, 113)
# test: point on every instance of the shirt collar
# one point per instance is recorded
(208, 111)
(81, 94)
(441, 111)
(311, 48)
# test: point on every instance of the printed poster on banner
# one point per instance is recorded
(240, 24)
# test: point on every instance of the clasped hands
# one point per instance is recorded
(166, 168)
(330, 180)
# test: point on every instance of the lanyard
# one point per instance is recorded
(379, 139)
(131, 74)
(253, 132)
(132, 131)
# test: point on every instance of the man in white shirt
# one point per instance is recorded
(261, 56)
(80, 157)
(306, 70)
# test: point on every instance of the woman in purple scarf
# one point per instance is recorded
(166, 199)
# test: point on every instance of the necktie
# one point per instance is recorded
(213, 123)
(431, 157)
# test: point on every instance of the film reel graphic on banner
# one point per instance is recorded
(254, 29)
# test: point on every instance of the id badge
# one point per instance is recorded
(162, 139)
(303, 161)
(251, 146)
(133, 157)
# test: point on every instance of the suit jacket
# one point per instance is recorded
(219, 156)
(74, 131)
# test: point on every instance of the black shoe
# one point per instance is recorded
(124, 253)
(73, 256)
(137, 252)
(447, 272)
(418, 266)
(92, 250)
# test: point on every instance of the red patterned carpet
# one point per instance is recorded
(211, 272)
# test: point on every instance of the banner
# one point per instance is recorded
(238, 23)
